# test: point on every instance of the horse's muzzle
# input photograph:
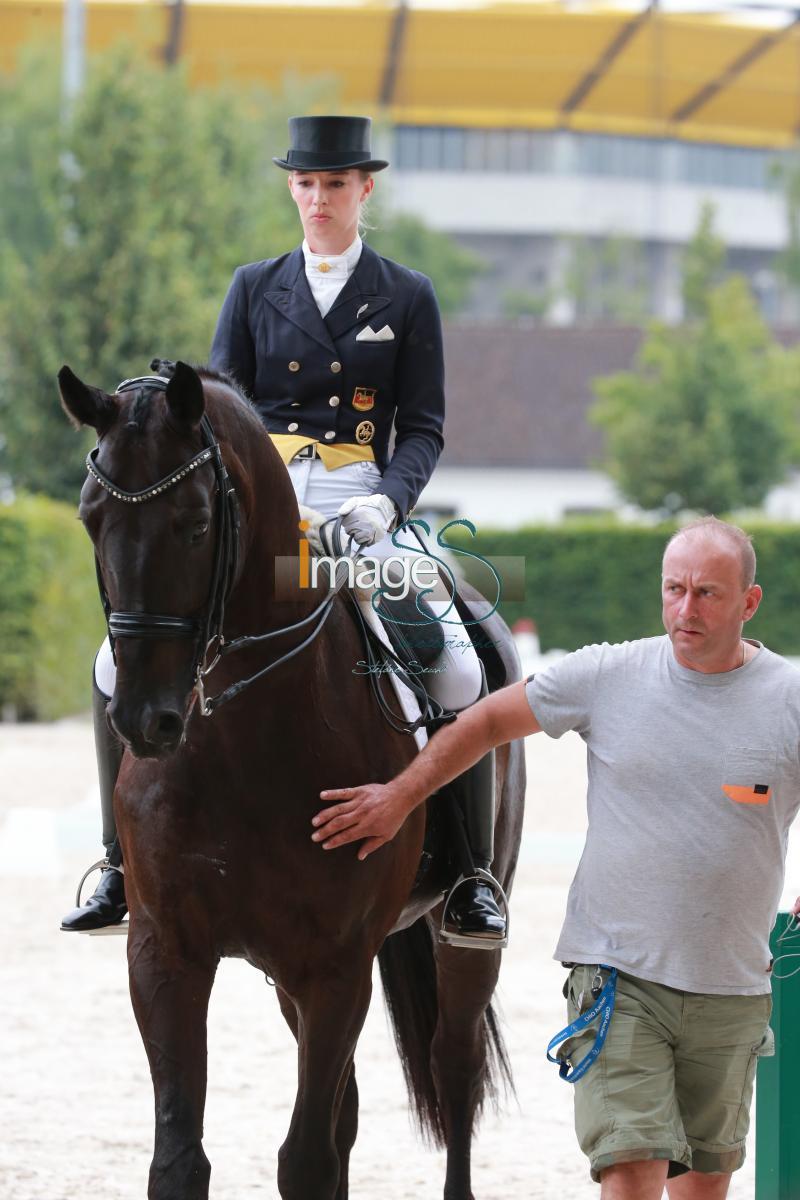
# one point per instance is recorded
(156, 732)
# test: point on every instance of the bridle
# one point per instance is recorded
(207, 630)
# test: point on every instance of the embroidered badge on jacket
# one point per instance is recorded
(365, 432)
(364, 398)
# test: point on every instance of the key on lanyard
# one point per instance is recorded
(602, 1007)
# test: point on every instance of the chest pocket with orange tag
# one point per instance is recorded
(759, 793)
(749, 770)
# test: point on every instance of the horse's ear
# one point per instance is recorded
(185, 398)
(86, 405)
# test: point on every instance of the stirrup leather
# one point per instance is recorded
(452, 937)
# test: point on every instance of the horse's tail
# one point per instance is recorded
(408, 975)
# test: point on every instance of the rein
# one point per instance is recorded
(379, 655)
(208, 629)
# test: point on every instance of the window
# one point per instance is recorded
(450, 148)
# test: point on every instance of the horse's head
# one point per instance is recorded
(155, 509)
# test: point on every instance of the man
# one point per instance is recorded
(692, 743)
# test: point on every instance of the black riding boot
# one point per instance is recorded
(473, 910)
(107, 906)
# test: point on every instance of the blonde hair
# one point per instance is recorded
(712, 527)
(364, 223)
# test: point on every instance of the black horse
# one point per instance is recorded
(190, 509)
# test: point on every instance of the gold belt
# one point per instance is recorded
(340, 455)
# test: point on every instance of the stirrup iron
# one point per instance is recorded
(121, 927)
(452, 937)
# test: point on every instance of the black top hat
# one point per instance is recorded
(329, 144)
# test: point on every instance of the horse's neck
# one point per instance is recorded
(269, 592)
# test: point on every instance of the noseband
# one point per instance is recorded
(208, 629)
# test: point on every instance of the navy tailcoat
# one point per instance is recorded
(313, 377)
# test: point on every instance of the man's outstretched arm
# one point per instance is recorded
(375, 811)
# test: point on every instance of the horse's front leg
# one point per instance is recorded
(170, 999)
(312, 1162)
(347, 1122)
(346, 1130)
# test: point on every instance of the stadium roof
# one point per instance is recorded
(730, 76)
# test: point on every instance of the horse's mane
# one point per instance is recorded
(206, 372)
(166, 367)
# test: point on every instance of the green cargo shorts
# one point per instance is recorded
(674, 1079)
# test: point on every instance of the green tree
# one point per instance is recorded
(787, 172)
(121, 224)
(703, 265)
(605, 279)
(519, 305)
(408, 240)
(704, 421)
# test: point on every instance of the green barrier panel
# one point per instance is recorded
(778, 1079)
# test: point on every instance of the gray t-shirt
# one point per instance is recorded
(694, 780)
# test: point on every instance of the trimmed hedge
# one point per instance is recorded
(585, 581)
(51, 622)
(593, 581)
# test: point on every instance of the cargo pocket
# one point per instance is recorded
(763, 1049)
(766, 1047)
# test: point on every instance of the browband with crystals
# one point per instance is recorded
(159, 383)
(157, 488)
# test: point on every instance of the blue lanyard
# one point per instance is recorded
(604, 1004)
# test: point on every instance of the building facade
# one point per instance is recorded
(578, 226)
(572, 147)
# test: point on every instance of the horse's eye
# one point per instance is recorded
(200, 530)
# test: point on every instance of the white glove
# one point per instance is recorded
(366, 519)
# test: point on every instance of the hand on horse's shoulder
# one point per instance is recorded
(373, 812)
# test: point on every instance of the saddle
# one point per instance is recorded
(403, 637)
(416, 636)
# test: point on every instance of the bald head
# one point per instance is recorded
(724, 535)
(707, 595)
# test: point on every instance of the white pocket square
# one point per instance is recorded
(368, 334)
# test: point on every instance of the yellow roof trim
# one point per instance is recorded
(502, 65)
(579, 122)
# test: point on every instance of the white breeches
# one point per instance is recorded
(456, 679)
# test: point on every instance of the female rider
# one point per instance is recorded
(338, 346)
